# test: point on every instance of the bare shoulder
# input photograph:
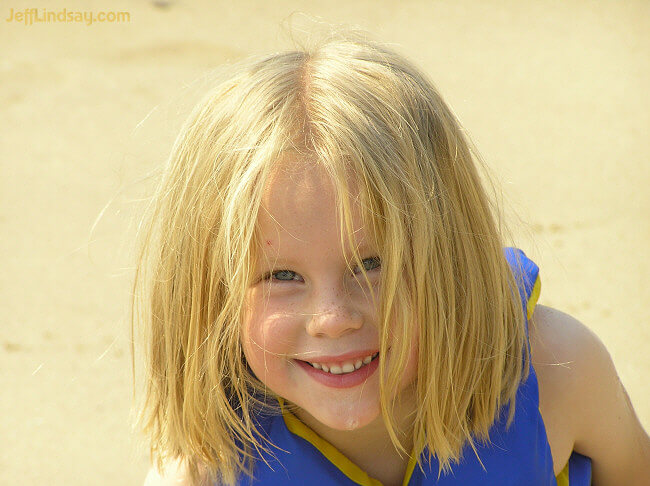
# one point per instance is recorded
(583, 403)
(552, 354)
(560, 345)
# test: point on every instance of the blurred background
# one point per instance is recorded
(554, 94)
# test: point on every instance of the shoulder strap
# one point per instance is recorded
(526, 274)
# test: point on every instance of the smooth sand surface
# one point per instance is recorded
(555, 95)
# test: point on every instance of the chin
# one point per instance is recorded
(348, 423)
(344, 416)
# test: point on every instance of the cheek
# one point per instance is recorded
(247, 343)
(252, 337)
(255, 342)
(256, 350)
(268, 339)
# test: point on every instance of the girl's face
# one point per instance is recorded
(310, 333)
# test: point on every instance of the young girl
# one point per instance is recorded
(328, 300)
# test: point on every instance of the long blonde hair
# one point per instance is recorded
(371, 119)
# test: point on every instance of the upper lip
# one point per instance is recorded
(339, 358)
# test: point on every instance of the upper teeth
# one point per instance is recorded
(344, 367)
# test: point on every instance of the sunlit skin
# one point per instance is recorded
(311, 306)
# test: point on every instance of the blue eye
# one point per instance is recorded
(370, 264)
(281, 273)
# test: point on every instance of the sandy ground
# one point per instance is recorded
(553, 93)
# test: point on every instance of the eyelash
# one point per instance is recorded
(269, 275)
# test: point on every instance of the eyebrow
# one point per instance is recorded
(278, 260)
(363, 248)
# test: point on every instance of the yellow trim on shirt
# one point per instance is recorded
(350, 469)
(563, 477)
(345, 465)
(534, 297)
(409, 469)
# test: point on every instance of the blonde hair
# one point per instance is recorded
(372, 120)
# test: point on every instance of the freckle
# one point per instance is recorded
(268, 242)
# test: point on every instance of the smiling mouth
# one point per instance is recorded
(344, 367)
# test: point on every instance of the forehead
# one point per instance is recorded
(294, 184)
(299, 199)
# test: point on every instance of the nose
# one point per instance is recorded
(334, 316)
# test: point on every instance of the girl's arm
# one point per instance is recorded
(605, 427)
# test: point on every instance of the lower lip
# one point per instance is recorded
(346, 380)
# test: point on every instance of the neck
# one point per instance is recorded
(370, 447)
